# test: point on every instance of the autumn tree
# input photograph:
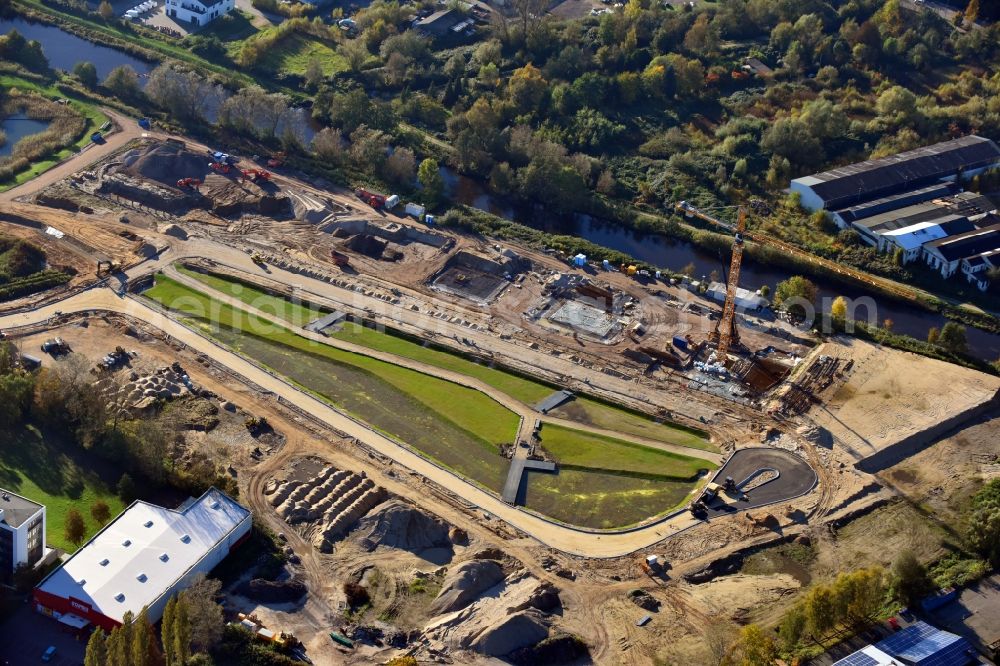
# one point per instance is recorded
(86, 72)
(972, 11)
(796, 295)
(75, 528)
(838, 309)
(100, 512)
(983, 532)
(123, 82)
(753, 647)
(97, 651)
(106, 11)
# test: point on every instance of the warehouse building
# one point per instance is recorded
(141, 559)
(946, 255)
(919, 644)
(22, 534)
(900, 174)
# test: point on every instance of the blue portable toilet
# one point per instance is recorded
(606, 264)
(580, 260)
(429, 220)
(144, 123)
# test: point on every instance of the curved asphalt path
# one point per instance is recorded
(795, 478)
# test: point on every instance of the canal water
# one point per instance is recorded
(673, 254)
(18, 126)
(65, 50)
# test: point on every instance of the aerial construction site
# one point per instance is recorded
(472, 449)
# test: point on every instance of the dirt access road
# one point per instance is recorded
(569, 540)
(126, 130)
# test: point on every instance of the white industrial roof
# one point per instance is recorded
(143, 552)
(914, 236)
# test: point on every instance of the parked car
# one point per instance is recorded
(50, 652)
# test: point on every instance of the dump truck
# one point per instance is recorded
(374, 200)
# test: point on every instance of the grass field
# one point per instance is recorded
(459, 427)
(95, 118)
(293, 54)
(297, 314)
(48, 472)
(605, 482)
(583, 449)
(583, 410)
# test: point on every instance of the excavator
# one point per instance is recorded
(219, 167)
(192, 183)
(256, 175)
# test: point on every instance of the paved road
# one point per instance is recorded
(795, 478)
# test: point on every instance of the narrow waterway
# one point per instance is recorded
(64, 50)
(18, 126)
(670, 253)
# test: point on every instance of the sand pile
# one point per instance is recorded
(500, 620)
(168, 162)
(397, 524)
(173, 230)
(465, 583)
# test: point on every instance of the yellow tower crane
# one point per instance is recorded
(725, 334)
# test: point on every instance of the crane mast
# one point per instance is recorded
(725, 334)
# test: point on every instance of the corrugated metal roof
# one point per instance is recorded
(895, 201)
(968, 244)
(855, 183)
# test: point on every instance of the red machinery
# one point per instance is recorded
(370, 198)
(277, 160)
(192, 183)
(256, 175)
(220, 167)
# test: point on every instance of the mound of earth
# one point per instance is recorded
(503, 618)
(167, 162)
(397, 524)
(519, 630)
(465, 583)
(268, 591)
(560, 649)
(174, 231)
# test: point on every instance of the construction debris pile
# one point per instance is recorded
(325, 503)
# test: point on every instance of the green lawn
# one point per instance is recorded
(95, 118)
(297, 314)
(581, 409)
(233, 26)
(294, 52)
(57, 475)
(460, 427)
(582, 449)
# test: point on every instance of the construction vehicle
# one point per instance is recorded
(374, 200)
(106, 267)
(97, 137)
(725, 335)
(189, 183)
(340, 259)
(252, 623)
(55, 346)
(256, 175)
(342, 639)
(277, 160)
(257, 258)
(219, 167)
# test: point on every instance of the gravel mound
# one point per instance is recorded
(519, 630)
(397, 524)
(465, 583)
(174, 231)
(167, 162)
(268, 591)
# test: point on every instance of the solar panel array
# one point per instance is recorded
(924, 645)
(857, 659)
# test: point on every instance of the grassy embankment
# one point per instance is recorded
(44, 470)
(92, 115)
(460, 427)
(605, 482)
(584, 410)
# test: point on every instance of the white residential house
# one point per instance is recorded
(22, 534)
(976, 269)
(198, 12)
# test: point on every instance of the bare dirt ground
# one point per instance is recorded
(889, 396)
